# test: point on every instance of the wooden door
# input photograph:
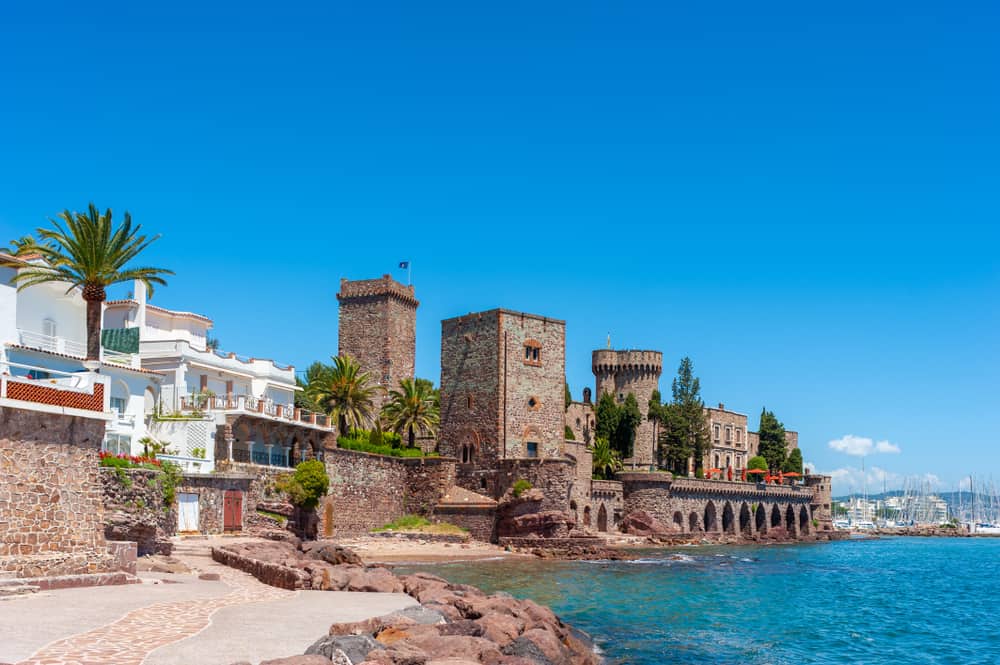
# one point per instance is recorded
(232, 511)
(187, 512)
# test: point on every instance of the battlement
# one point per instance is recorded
(371, 288)
(612, 360)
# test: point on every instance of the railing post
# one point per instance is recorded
(312, 417)
(267, 450)
(297, 414)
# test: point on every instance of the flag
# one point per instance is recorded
(404, 265)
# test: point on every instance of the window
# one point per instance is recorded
(118, 404)
(467, 450)
(739, 436)
(729, 461)
(729, 434)
(532, 352)
(716, 431)
(49, 328)
(716, 461)
(117, 444)
(534, 403)
(532, 449)
(468, 401)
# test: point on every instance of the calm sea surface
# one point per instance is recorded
(896, 600)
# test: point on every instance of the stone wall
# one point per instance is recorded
(368, 491)
(377, 327)
(580, 419)
(211, 491)
(583, 459)
(638, 372)
(478, 521)
(554, 477)
(134, 509)
(51, 501)
(607, 506)
(715, 507)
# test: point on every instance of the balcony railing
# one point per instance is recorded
(45, 386)
(54, 344)
(250, 404)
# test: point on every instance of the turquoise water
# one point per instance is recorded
(895, 600)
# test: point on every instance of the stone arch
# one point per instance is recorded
(693, 525)
(586, 516)
(790, 518)
(148, 400)
(679, 520)
(602, 519)
(728, 519)
(711, 523)
(760, 518)
(804, 522)
(745, 528)
(775, 515)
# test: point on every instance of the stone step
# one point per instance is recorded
(9, 588)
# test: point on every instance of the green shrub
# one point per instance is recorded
(569, 436)
(520, 487)
(307, 485)
(168, 480)
(362, 444)
(757, 462)
(406, 522)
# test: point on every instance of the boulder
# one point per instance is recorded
(416, 613)
(298, 660)
(355, 647)
(641, 523)
(378, 580)
(331, 553)
(546, 524)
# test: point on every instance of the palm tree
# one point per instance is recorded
(411, 408)
(344, 392)
(91, 253)
(606, 460)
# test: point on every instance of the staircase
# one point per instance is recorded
(11, 586)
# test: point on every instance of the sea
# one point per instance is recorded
(871, 601)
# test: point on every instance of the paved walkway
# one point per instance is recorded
(194, 621)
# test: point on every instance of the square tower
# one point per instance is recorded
(502, 387)
(378, 328)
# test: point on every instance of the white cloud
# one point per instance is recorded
(886, 447)
(848, 479)
(861, 446)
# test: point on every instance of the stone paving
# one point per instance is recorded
(131, 638)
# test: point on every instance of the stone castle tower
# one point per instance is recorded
(619, 373)
(378, 321)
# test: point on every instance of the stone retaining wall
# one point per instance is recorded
(272, 574)
(51, 503)
(134, 509)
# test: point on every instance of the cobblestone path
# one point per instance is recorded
(131, 638)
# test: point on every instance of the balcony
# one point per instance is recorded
(45, 389)
(42, 342)
(74, 348)
(254, 405)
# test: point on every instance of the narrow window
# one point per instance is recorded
(532, 449)
(532, 352)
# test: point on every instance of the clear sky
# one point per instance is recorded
(803, 197)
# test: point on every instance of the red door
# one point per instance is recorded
(232, 511)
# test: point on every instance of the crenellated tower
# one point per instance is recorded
(622, 372)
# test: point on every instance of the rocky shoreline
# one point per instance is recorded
(449, 623)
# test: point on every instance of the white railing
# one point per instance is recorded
(121, 421)
(54, 344)
(189, 464)
(17, 381)
(251, 404)
(119, 358)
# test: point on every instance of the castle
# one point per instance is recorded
(504, 417)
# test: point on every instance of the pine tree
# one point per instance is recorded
(772, 440)
(684, 428)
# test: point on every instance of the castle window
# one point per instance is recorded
(532, 449)
(532, 352)
(533, 403)
(717, 432)
(739, 436)
(729, 434)
(468, 400)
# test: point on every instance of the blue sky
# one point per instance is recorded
(802, 198)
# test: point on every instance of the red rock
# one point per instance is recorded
(378, 580)
(501, 628)
(298, 660)
(641, 523)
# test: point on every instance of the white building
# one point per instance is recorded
(205, 394)
(44, 339)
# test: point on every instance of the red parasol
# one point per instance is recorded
(756, 471)
(791, 474)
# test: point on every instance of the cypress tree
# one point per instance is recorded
(629, 418)
(772, 440)
(685, 430)
(606, 416)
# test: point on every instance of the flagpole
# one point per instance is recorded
(409, 268)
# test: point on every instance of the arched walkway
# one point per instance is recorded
(760, 518)
(711, 521)
(602, 519)
(728, 519)
(775, 516)
(804, 522)
(745, 520)
(790, 519)
(679, 521)
(693, 525)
